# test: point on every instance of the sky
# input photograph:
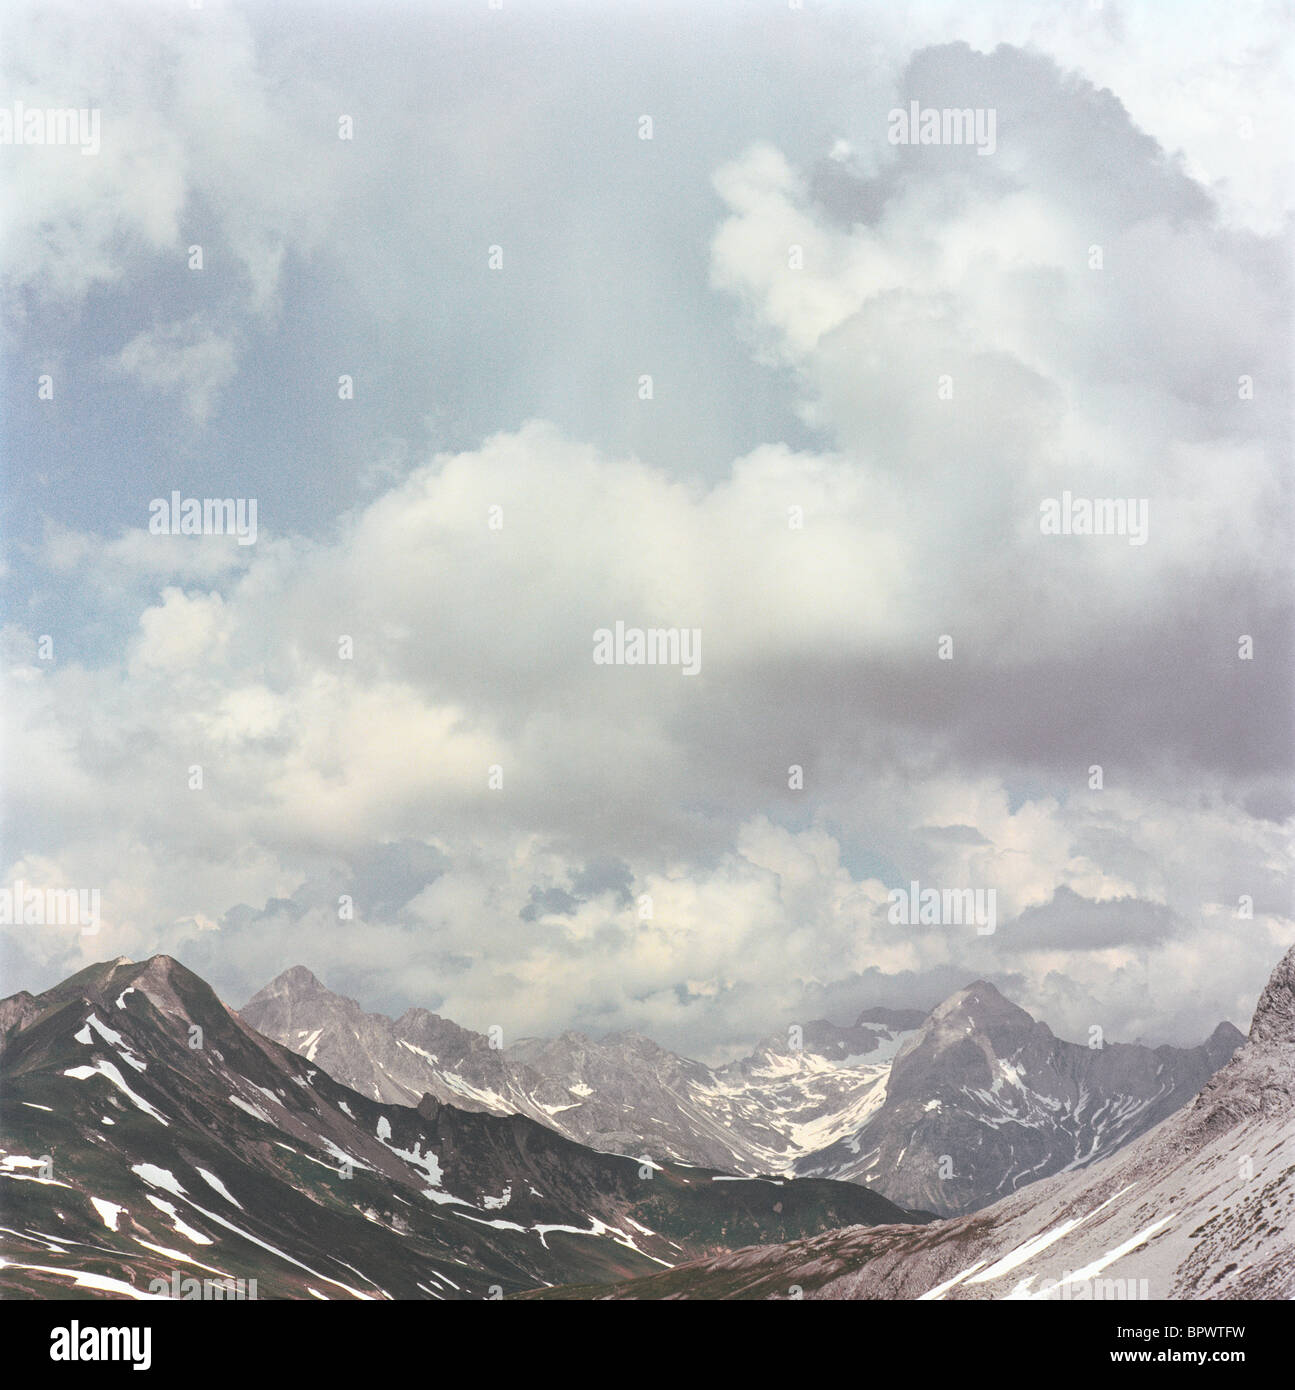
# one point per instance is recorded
(517, 323)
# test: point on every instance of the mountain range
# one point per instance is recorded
(944, 1113)
(149, 1134)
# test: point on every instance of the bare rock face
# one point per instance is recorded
(384, 1059)
(1274, 1020)
(16, 1012)
(1260, 1081)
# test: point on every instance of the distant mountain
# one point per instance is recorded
(623, 1093)
(983, 1099)
(1201, 1207)
(147, 1132)
(943, 1113)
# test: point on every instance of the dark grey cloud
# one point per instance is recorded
(1071, 922)
(548, 900)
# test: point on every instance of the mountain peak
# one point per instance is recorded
(167, 977)
(1274, 1018)
(295, 981)
(1258, 1078)
(979, 1012)
(982, 1005)
(631, 1040)
(102, 974)
(159, 967)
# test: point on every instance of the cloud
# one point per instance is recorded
(187, 358)
(621, 787)
(400, 706)
(199, 143)
(983, 335)
(1069, 921)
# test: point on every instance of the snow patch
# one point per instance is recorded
(109, 1212)
(159, 1177)
(214, 1182)
(106, 1069)
(255, 1111)
(82, 1280)
(181, 1227)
